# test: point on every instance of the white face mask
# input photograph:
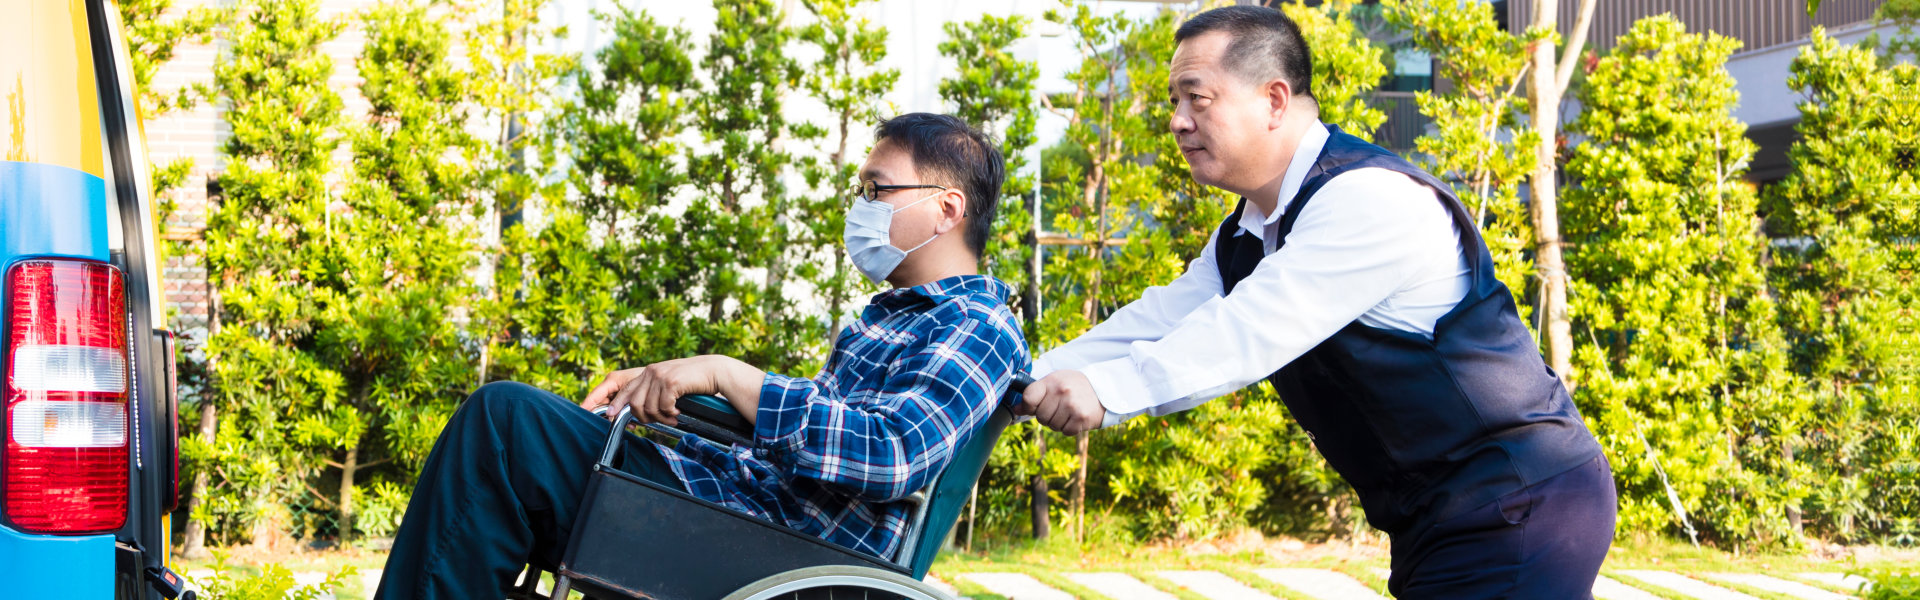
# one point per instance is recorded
(869, 237)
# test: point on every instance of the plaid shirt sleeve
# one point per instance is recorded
(884, 448)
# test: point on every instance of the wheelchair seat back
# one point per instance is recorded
(951, 491)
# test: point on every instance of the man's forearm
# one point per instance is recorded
(740, 385)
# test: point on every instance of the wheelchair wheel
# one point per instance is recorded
(838, 583)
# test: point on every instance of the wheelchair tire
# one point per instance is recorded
(838, 582)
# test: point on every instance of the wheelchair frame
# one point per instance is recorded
(623, 519)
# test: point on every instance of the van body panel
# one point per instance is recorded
(51, 210)
(49, 98)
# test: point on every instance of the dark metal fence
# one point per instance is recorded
(1404, 121)
(1756, 23)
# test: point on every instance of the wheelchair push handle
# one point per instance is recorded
(1019, 384)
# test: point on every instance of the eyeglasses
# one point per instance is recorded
(870, 191)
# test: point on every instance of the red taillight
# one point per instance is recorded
(66, 397)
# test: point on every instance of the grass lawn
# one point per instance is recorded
(1236, 557)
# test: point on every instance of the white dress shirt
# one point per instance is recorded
(1372, 245)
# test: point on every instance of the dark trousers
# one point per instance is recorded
(499, 491)
(1544, 542)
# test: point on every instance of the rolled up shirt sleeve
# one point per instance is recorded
(934, 398)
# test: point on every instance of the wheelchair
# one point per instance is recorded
(635, 539)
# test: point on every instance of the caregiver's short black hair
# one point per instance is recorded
(947, 151)
(1266, 45)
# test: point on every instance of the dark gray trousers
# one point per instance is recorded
(499, 491)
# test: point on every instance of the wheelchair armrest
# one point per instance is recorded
(715, 411)
(709, 417)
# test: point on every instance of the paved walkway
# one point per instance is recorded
(1327, 584)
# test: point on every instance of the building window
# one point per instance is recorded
(1412, 70)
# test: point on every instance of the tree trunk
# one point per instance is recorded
(1545, 93)
(776, 196)
(776, 266)
(837, 295)
(348, 468)
(195, 546)
(1032, 309)
(716, 307)
(1041, 503)
(836, 299)
(1080, 490)
(1794, 517)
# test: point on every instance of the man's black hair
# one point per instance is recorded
(1266, 44)
(951, 153)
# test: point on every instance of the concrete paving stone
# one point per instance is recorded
(1016, 586)
(370, 582)
(1606, 588)
(1320, 583)
(1843, 581)
(1777, 585)
(1689, 586)
(938, 584)
(1119, 586)
(1213, 585)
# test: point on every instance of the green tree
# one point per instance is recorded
(510, 83)
(994, 90)
(1836, 277)
(1478, 139)
(263, 255)
(1893, 454)
(1685, 365)
(602, 285)
(744, 216)
(391, 267)
(848, 82)
(1107, 252)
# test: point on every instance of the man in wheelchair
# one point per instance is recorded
(908, 383)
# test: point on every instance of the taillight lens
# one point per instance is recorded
(66, 397)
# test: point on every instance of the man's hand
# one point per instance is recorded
(1063, 400)
(652, 390)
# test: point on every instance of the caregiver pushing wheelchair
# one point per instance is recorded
(1360, 288)
(833, 470)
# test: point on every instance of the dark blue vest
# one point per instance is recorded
(1423, 429)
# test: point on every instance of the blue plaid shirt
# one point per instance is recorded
(905, 387)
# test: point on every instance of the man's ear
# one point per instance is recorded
(1279, 99)
(953, 211)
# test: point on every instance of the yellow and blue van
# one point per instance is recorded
(89, 467)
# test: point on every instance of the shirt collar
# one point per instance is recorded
(1252, 220)
(958, 285)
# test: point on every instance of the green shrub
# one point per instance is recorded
(273, 582)
(1888, 584)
